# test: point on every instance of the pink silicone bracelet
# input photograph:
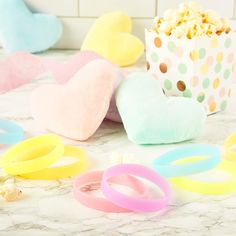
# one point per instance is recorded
(91, 181)
(134, 203)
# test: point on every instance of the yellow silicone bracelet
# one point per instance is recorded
(211, 188)
(228, 145)
(32, 155)
(58, 172)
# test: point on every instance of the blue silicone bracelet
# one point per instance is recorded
(10, 133)
(165, 166)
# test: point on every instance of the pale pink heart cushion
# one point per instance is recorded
(76, 110)
(63, 71)
(113, 113)
(19, 69)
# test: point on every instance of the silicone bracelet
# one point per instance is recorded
(92, 181)
(211, 188)
(32, 155)
(134, 203)
(228, 145)
(165, 166)
(65, 171)
(10, 133)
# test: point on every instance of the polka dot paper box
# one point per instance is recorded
(199, 68)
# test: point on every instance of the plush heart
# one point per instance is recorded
(21, 68)
(113, 113)
(63, 72)
(150, 117)
(18, 69)
(76, 109)
(21, 30)
(111, 37)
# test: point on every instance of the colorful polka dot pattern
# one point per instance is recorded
(199, 69)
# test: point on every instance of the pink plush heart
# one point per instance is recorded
(113, 113)
(18, 69)
(63, 72)
(76, 109)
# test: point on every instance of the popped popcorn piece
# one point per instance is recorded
(190, 21)
(212, 17)
(165, 27)
(117, 158)
(9, 191)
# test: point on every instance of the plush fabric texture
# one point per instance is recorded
(21, 68)
(149, 117)
(21, 30)
(18, 69)
(63, 72)
(76, 109)
(113, 113)
(111, 37)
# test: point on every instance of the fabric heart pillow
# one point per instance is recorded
(111, 37)
(76, 109)
(21, 30)
(149, 117)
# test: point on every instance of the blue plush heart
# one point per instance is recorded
(21, 30)
(150, 117)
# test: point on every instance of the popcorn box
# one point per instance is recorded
(200, 68)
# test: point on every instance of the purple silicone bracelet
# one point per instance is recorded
(136, 204)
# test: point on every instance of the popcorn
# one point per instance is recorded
(117, 158)
(181, 31)
(9, 191)
(190, 21)
(165, 27)
(212, 17)
(171, 15)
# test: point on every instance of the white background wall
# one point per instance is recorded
(78, 15)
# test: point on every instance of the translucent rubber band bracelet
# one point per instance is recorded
(229, 144)
(166, 167)
(10, 133)
(88, 182)
(63, 171)
(136, 204)
(210, 188)
(32, 155)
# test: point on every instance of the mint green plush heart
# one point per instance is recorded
(149, 117)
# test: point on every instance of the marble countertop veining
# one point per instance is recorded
(48, 208)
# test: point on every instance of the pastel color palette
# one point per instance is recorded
(149, 117)
(200, 71)
(18, 69)
(111, 37)
(76, 109)
(64, 71)
(22, 30)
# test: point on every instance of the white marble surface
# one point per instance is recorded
(48, 208)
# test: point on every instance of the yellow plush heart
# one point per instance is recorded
(111, 37)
